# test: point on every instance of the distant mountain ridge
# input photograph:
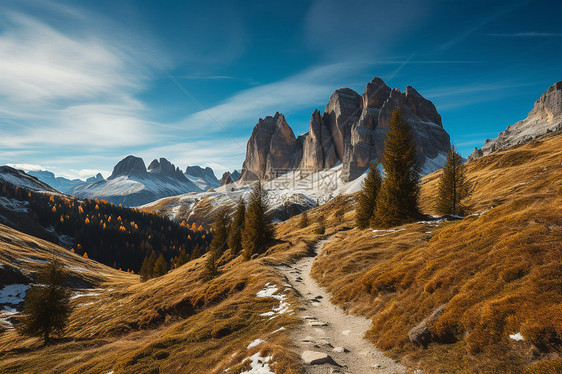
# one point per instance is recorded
(545, 117)
(132, 184)
(351, 130)
(204, 178)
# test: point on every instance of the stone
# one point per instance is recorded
(421, 335)
(545, 117)
(340, 350)
(317, 358)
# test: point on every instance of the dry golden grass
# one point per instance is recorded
(497, 273)
(175, 323)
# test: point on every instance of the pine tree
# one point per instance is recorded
(211, 268)
(47, 307)
(196, 253)
(258, 232)
(219, 242)
(304, 220)
(145, 270)
(453, 186)
(235, 235)
(397, 200)
(321, 225)
(160, 267)
(366, 200)
(182, 258)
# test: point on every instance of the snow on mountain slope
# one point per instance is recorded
(131, 184)
(20, 179)
(135, 190)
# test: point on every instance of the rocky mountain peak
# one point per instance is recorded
(271, 147)
(130, 165)
(352, 130)
(97, 178)
(164, 167)
(199, 172)
(545, 117)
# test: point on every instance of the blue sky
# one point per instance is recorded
(85, 83)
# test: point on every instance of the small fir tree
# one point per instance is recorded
(196, 253)
(211, 267)
(304, 220)
(160, 267)
(219, 242)
(453, 186)
(321, 225)
(46, 306)
(258, 231)
(397, 200)
(235, 235)
(366, 201)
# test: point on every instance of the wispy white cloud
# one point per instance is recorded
(72, 89)
(29, 167)
(304, 90)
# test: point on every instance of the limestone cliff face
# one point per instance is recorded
(545, 117)
(271, 148)
(352, 130)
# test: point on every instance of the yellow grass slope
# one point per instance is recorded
(173, 324)
(495, 274)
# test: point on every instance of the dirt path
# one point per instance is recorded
(329, 339)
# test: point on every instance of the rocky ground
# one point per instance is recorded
(329, 340)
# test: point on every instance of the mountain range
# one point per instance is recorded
(351, 130)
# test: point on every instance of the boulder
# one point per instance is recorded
(421, 335)
(317, 358)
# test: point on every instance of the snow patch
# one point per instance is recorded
(517, 337)
(14, 205)
(258, 364)
(284, 306)
(255, 343)
(13, 293)
(379, 233)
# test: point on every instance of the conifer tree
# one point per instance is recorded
(47, 307)
(321, 225)
(211, 268)
(235, 235)
(453, 186)
(304, 220)
(182, 258)
(258, 232)
(144, 270)
(196, 253)
(147, 269)
(219, 242)
(366, 200)
(160, 267)
(397, 200)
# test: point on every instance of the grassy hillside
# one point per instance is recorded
(493, 274)
(172, 324)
